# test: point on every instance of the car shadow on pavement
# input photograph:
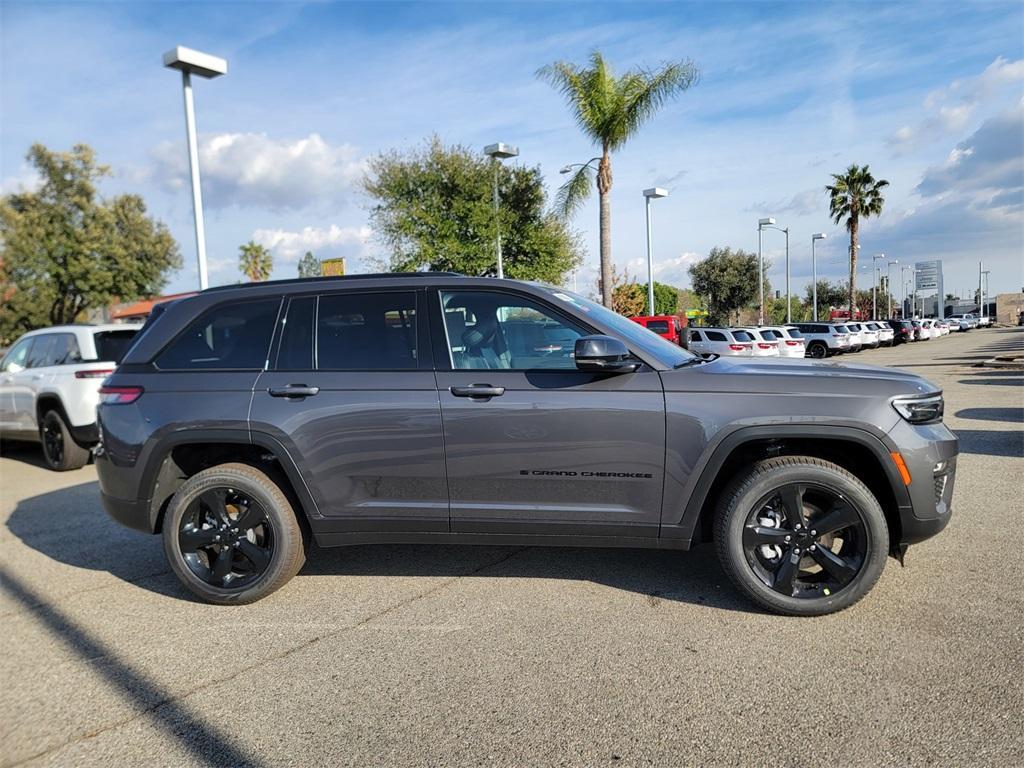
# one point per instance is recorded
(995, 442)
(70, 526)
(195, 734)
(1013, 415)
(24, 451)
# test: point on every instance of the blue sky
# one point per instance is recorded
(931, 95)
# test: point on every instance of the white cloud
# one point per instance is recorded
(801, 204)
(672, 271)
(27, 179)
(951, 108)
(289, 245)
(252, 169)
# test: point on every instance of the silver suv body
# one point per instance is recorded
(440, 408)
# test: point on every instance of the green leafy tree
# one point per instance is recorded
(309, 265)
(433, 210)
(255, 262)
(727, 279)
(610, 110)
(854, 195)
(666, 299)
(830, 296)
(65, 251)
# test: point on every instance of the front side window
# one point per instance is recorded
(296, 350)
(234, 336)
(367, 331)
(496, 331)
(17, 358)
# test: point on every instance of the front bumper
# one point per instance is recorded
(929, 452)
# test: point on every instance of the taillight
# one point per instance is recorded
(793, 343)
(100, 373)
(736, 347)
(119, 395)
(764, 346)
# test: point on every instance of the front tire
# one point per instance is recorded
(231, 536)
(60, 450)
(817, 350)
(801, 536)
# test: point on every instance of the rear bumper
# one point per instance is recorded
(86, 435)
(129, 513)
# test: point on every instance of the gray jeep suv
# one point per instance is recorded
(246, 421)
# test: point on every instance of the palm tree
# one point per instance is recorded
(855, 194)
(610, 110)
(255, 261)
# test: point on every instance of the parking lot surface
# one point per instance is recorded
(417, 655)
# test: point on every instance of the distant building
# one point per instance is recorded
(138, 311)
(1008, 307)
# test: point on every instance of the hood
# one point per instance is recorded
(786, 375)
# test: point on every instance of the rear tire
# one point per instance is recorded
(231, 536)
(769, 543)
(60, 450)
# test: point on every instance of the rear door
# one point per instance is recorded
(534, 445)
(351, 394)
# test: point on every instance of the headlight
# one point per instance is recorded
(919, 410)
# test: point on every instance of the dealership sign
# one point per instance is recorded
(928, 276)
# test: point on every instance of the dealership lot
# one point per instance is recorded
(415, 655)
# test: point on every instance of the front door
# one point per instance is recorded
(351, 394)
(534, 445)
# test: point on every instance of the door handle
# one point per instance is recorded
(477, 390)
(293, 390)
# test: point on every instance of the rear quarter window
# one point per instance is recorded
(742, 336)
(716, 336)
(232, 336)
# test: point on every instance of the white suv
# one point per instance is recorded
(868, 336)
(885, 332)
(824, 339)
(791, 341)
(766, 342)
(49, 387)
(725, 342)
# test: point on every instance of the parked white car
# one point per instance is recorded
(934, 330)
(854, 343)
(868, 336)
(765, 343)
(726, 342)
(885, 332)
(921, 331)
(824, 339)
(791, 341)
(50, 383)
(984, 320)
(971, 320)
(941, 326)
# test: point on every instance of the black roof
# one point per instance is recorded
(302, 280)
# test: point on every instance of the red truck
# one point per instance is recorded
(668, 326)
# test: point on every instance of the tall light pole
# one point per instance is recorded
(874, 287)
(814, 273)
(789, 314)
(204, 65)
(761, 224)
(888, 279)
(982, 279)
(903, 302)
(497, 153)
(651, 194)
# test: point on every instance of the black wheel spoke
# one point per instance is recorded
(756, 535)
(792, 498)
(222, 564)
(837, 567)
(249, 517)
(215, 500)
(840, 515)
(192, 539)
(259, 557)
(785, 574)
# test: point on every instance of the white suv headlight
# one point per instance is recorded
(920, 410)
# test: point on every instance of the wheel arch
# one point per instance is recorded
(858, 451)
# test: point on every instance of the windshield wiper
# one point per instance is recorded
(692, 361)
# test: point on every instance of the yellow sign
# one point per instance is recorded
(332, 267)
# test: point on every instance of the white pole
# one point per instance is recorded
(789, 305)
(814, 280)
(760, 278)
(197, 192)
(497, 220)
(650, 262)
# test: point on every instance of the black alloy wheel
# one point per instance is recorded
(59, 447)
(53, 441)
(805, 541)
(226, 538)
(817, 350)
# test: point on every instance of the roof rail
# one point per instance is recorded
(367, 276)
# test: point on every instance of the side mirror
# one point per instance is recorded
(604, 353)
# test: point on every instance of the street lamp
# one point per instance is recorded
(888, 279)
(497, 153)
(761, 224)
(814, 272)
(874, 287)
(204, 65)
(789, 313)
(651, 194)
(981, 289)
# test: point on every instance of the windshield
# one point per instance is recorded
(634, 334)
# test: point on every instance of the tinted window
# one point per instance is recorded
(658, 326)
(742, 336)
(794, 333)
(769, 335)
(489, 330)
(367, 331)
(296, 350)
(111, 345)
(232, 336)
(17, 359)
(41, 353)
(695, 336)
(715, 336)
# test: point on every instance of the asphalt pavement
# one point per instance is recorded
(435, 656)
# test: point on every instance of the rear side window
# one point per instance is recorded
(695, 336)
(658, 326)
(742, 336)
(716, 336)
(233, 336)
(367, 331)
(112, 345)
(296, 350)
